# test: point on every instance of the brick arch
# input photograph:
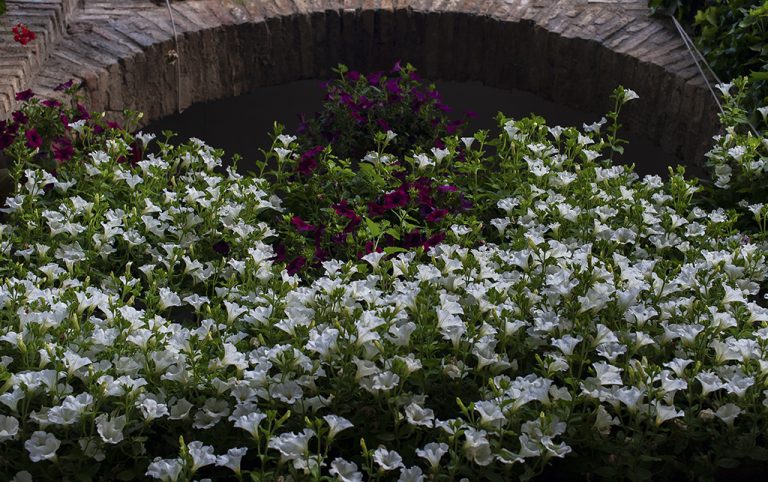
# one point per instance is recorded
(571, 52)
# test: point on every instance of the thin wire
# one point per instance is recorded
(695, 49)
(696, 55)
(178, 57)
(698, 66)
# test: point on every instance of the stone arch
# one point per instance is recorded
(569, 52)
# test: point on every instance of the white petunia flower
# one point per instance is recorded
(419, 416)
(293, 446)
(9, 427)
(202, 455)
(167, 470)
(110, 429)
(728, 413)
(608, 374)
(232, 459)
(345, 471)
(433, 452)
(336, 424)
(666, 412)
(477, 447)
(168, 299)
(387, 459)
(412, 474)
(630, 94)
(42, 446)
(250, 423)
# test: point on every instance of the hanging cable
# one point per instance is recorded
(698, 58)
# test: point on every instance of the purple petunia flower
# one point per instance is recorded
(6, 139)
(302, 226)
(393, 86)
(25, 95)
(375, 78)
(221, 247)
(34, 140)
(51, 103)
(342, 209)
(296, 265)
(308, 161)
(436, 216)
(19, 117)
(64, 86)
(434, 240)
(62, 149)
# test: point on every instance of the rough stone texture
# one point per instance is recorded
(573, 52)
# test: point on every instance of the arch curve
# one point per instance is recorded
(571, 52)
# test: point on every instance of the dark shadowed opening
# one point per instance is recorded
(243, 124)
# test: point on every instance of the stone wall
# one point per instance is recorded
(573, 52)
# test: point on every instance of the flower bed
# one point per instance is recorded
(574, 312)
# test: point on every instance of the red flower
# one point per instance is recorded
(34, 140)
(22, 34)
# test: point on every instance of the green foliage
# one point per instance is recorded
(577, 322)
(733, 37)
(684, 10)
(738, 162)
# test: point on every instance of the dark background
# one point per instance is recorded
(243, 124)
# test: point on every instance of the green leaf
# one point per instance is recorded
(394, 233)
(728, 463)
(373, 227)
(6, 184)
(127, 474)
(394, 249)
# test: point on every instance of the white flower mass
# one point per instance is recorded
(611, 302)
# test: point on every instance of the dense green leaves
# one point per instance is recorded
(733, 37)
